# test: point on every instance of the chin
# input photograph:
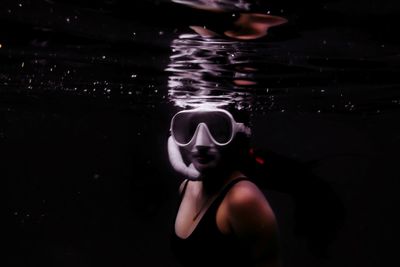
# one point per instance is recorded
(205, 167)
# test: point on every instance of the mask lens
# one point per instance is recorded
(220, 126)
(218, 123)
(184, 127)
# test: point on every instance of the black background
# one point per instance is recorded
(87, 177)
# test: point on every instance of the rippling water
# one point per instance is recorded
(87, 89)
(325, 59)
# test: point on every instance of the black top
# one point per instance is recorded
(207, 246)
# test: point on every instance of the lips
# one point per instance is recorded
(203, 158)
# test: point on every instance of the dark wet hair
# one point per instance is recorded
(318, 213)
(240, 115)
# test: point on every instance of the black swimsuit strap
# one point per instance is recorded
(184, 188)
(229, 185)
(224, 190)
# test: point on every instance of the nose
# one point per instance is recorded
(203, 138)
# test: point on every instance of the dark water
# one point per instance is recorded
(87, 90)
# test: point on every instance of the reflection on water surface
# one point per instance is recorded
(102, 51)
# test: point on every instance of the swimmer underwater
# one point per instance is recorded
(223, 217)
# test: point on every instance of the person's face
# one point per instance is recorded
(204, 154)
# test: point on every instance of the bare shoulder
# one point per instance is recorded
(245, 200)
(251, 219)
(245, 193)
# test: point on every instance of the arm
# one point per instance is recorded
(253, 221)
